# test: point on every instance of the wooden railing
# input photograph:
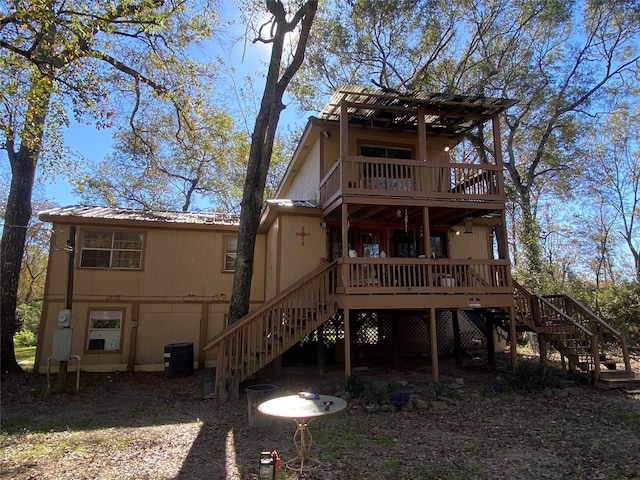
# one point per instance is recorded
(523, 303)
(420, 275)
(412, 178)
(607, 335)
(264, 334)
(576, 332)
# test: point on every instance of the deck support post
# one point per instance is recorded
(513, 338)
(457, 342)
(542, 347)
(396, 340)
(320, 350)
(491, 348)
(434, 345)
(347, 342)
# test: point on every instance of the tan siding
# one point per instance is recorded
(271, 260)
(176, 264)
(330, 151)
(297, 260)
(216, 323)
(469, 245)
(160, 325)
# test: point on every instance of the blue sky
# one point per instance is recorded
(86, 141)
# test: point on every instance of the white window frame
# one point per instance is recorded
(104, 330)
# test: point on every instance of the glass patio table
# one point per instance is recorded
(302, 411)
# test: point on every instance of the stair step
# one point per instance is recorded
(616, 383)
(609, 364)
(616, 374)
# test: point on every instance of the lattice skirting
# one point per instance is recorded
(373, 333)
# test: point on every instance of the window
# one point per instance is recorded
(117, 250)
(370, 244)
(105, 330)
(230, 253)
(438, 244)
(385, 152)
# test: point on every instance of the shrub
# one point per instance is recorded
(25, 338)
(371, 392)
(534, 378)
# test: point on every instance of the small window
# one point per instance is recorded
(230, 253)
(386, 152)
(105, 330)
(117, 250)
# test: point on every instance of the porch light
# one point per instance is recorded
(468, 224)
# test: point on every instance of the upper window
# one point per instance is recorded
(385, 152)
(230, 253)
(117, 250)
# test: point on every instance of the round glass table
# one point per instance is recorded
(302, 411)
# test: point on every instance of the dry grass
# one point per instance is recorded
(147, 426)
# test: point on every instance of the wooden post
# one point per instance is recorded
(133, 341)
(347, 343)
(63, 368)
(320, 350)
(396, 341)
(434, 344)
(491, 348)
(457, 343)
(513, 338)
(542, 348)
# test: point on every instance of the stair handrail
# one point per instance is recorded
(534, 304)
(566, 318)
(593, 317)
(528, 315)
(240, 324)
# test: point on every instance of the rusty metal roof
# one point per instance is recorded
(444, 113)
(124, 214)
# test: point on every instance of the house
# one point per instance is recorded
(381, 241)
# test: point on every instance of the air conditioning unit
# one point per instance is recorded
(64, 318)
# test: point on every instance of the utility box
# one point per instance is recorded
(178, 359)
(61, 350)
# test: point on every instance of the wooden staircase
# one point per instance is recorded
(264, 334)
(578, 334)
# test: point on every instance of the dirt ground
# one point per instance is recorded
(147, 426)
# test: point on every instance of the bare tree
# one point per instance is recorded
(274, 32)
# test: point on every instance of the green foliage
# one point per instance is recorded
(29, 316)
(620, 307)
(370, 392)
(532, 377)
(25, 338)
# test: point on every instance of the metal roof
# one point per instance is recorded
(124, 214)
(444, 113)
(116, 215)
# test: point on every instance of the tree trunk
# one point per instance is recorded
(17, 216)
(262, 139)
(18, 212)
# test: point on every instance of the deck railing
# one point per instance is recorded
(421, 275)
(412, 178)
